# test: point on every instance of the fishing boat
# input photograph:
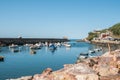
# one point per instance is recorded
(83, 55)
(13, 46)
(52, 47)
(67, 45)
(36, 46)
(91, 51)
(98, 49)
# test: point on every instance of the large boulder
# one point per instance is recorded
(111, 77)
(46, 75)
(87, 77)
(107, 71)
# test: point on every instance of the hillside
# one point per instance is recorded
(115, 29)
(114, 32)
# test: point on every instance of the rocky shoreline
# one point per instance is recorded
(105, 67)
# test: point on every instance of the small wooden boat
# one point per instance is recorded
(91, 51)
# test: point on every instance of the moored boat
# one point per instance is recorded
(98, 49)
(1, 58)
(13, 46)
(83, 55)
(36, 46)
(67, 45)
(91, 51)
(52, 47)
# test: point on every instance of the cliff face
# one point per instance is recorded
(106, 67)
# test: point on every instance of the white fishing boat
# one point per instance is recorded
(83, 55)
(91, 51)
(36, 46)
(13, 46)
(46, 44)
(98, 49)
(67, 45)
(58, 44)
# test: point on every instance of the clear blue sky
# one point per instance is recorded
(56, 18)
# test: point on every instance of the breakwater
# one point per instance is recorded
(21, 41)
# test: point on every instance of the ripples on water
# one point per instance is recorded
(25, 63)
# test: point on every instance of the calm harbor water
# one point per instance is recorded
(24, 63)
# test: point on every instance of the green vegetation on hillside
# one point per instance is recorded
(115, 30)
(91, 35)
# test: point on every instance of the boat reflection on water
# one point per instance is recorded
(15, 49)
(32, 51)
(68, 48)
(52, 47)
(53, 51)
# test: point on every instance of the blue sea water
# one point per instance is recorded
(24, 63)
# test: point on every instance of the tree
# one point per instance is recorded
(91, 35)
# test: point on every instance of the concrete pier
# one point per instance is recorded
(21, 41)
